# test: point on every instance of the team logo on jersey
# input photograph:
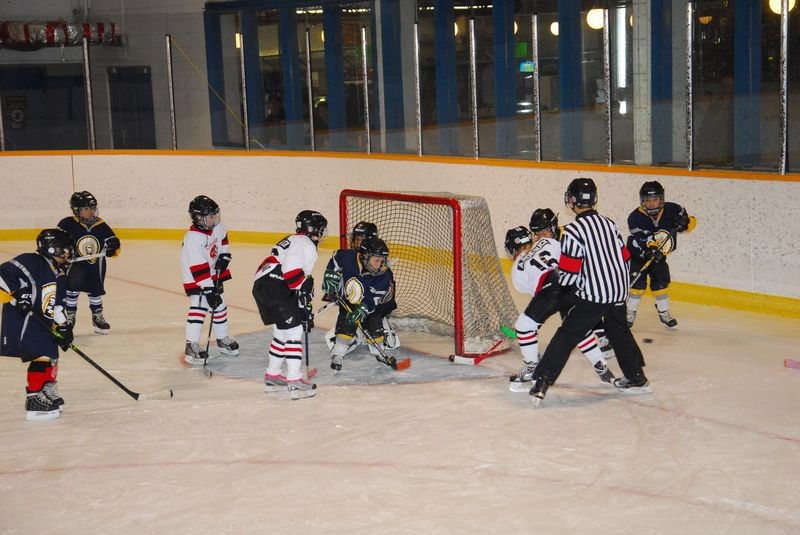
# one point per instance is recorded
(49, 299)
(214, 251)
(663, 240)
(354, 290)
(87, 246)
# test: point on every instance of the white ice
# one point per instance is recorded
(713, 450)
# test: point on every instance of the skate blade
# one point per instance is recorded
(229, 352)
(537, 401)
(520, 387)
(635, 390)
(302, 394)
(42, 416)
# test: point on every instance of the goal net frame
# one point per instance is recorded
(465, 343)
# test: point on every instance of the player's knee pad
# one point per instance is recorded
(343, 344)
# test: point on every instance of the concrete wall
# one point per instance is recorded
(740, 242)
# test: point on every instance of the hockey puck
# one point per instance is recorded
(647, 340)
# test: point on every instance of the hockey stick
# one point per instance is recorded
(161, 394)
(510, 334)
(382, 357)
(313, 371)
(101, 254)
(791, 363)
(325, 307)
(647, 264)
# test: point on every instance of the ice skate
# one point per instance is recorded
(538, 391)
(99, 323)
(194, 355)
(336, 363)
(521, 382)
(604, 373)
(301, 388)
(274, 383)
(70, 315)
(631, 317)
(637, 385)
(667, 319)
(40, 408)
(51, 392)
(228, 346)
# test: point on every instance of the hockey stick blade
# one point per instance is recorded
(474, 361)
(791, 363)
(400, 365)
(167, 393)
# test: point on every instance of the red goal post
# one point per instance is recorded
(444, 259)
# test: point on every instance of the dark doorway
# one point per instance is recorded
(132, 118)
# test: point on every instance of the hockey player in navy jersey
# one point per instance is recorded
(654, 228)
(205, 257)
(365, 282)
(283, 290)
(534, 272)
(94, 242)
(34, 284)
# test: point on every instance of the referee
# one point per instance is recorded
(594, 260)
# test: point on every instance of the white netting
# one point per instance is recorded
(421, 243)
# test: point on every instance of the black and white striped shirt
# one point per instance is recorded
(595, 259)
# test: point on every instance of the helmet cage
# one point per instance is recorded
(374, 248)
(205, 213)
(648, 191)
(81, 200)
(312, 224)
(363, 229)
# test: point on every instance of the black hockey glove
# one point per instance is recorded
(681, 221)
(306, 290)
(63, 334)
(550, 281)
(24, 302)
(112, 246)
(223, 261)
(654, 253)
(213, 297)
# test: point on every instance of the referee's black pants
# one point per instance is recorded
(580, 319)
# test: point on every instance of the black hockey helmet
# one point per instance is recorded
(363, 229)
(83, 199)
(54, 243)
(650, 190)
(373, 247)
(581, 193)
(516, 238)
(544, 219)
(311, 223)
(204, 212)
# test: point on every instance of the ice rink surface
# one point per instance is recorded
(443, 449)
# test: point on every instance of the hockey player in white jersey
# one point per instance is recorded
(205, 256)
(534, 272)
(283, 290)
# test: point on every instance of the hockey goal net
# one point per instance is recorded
(444, 259)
